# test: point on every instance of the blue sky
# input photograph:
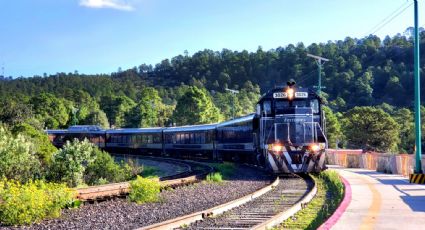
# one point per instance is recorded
(98, 36)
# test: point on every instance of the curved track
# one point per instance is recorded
(195, 171)
(260, 210)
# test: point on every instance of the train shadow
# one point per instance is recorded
(410, 192)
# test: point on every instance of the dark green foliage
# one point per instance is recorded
(53, 111)
(103, 167)
(115, 108)
(105, 170)
(14, 112)
(196, 107)
(370, 128)
(404, 118)
(148, 111)
(333, 128)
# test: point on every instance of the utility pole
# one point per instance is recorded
(418, 147)
(233, 92)
(319, 68)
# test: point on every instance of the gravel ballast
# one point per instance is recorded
(122, 214)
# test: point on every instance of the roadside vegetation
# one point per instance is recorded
(330, 192)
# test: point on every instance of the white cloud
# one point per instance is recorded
(113, 4)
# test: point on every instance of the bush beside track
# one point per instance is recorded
(329, 195)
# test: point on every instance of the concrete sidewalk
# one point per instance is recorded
(381, 201)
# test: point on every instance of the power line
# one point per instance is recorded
(386, 18)
(392, 18)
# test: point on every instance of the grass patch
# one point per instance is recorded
(143, 190)
(150, 171)
(330, 192)
(215, 177)
(226, 169)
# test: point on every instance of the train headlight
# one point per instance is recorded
(276, 147)
(290, 93)
(316, 147)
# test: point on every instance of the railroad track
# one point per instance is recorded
(260, 210)
(194, 172)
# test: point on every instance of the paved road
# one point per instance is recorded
(381, 201)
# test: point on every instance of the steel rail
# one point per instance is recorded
(191, 218)
(100, 192)
(267, 224)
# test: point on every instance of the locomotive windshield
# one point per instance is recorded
(281, 106)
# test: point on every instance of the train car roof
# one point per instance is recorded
(237, 120)
(190, 128)
(63, 131)
(52, 131)
(135, 130)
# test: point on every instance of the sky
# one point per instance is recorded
(99, 36)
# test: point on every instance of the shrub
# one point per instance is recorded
(17, 157)
(69, 163)
(214, 177)
(32, 202)
(103, 169)
(44, 149)
(144, 190)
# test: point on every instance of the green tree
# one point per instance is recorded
(96, 117)
(404, 118)
(115, 108)
(371, 129)
(146, 112)
(14, 112)
(333, 128)
(53, 111)
(196, 107)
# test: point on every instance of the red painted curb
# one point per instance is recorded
(341, 208)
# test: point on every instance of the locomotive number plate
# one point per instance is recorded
(280, 95)
(301, 94)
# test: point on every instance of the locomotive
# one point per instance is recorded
(284, 135)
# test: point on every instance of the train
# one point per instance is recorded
(286, 134)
